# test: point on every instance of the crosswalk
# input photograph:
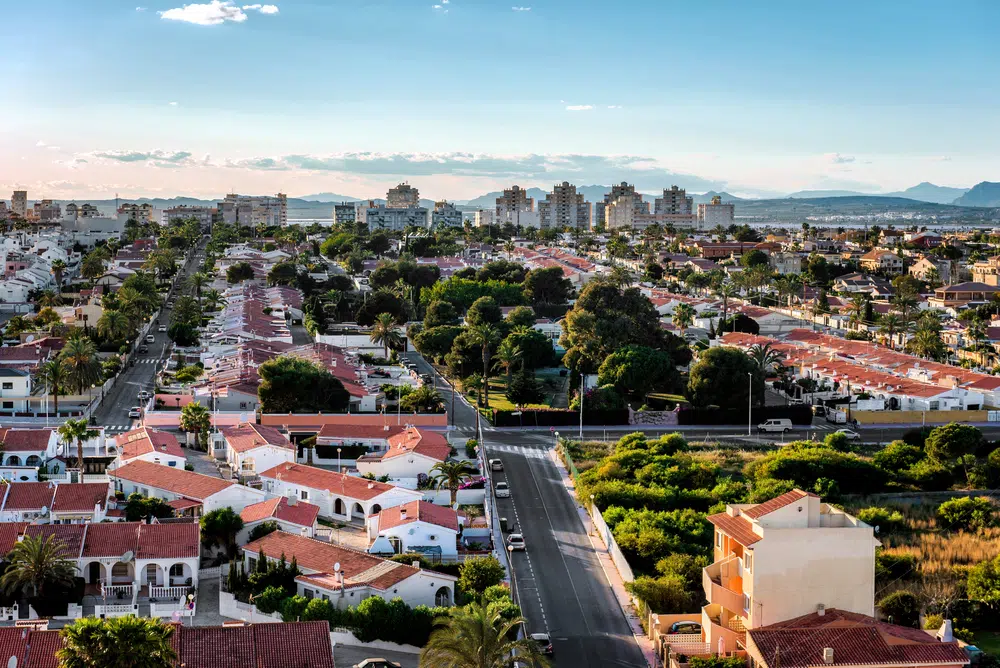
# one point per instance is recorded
(147, 360)
(117, 427)
(523, 450)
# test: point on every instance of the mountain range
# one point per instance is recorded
(981, 194)
(922, 192)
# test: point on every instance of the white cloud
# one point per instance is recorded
(214, 13)
(521, 9)
(173, 104)
(249, 7)
(614, 106)
(439, 8)
(41, 144)
(838, 159)
(269, 9)
(140, 9)
(154, 158)
(579, 107)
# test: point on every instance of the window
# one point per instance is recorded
(304, 494)
(748, 561)
(746, 603)
(8, 386)
(172, 463)
(718, 539)
(8, 404)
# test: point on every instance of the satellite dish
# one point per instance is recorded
(45, 510)
(12, 662)
(28, 339)
(336, 566)
(128, 556)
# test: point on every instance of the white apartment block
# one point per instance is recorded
(716, 213)
(513, 201)
(620, 212)
(205, 215)
(403, 196)
(674, 201)
(254, 210)
(19, 203)
(74, 212)
(484, 217)
(621, 190)
(445, 215)
(379, 217)
(345, 213)
(564, 207)
(144, 213)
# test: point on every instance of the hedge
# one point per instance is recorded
(558, 418)
(799, 414)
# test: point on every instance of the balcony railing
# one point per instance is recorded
(723, 583)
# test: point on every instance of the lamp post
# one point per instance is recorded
(750, 403)
(583, 388)
(339, 470)
(591, 509)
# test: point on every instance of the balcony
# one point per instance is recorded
(724, 632)
(723, 584)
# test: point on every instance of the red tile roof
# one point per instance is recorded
(737, 528)
(855, 640)
(418, 511)
(168, 541)
(110, 539)
(420, 441)
(366, 431)
(331, 481)
(29, 495)
(247, 436)
(288, 645)
(25, 440)
(183, 483)
(302, 513)
(80, 497)
(9, 533)
(144, 440)
(70, 535)
(776, 503)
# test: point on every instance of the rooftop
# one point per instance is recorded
(341, 483)
(183, 483)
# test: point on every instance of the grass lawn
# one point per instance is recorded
(988, 641)
(498, 400)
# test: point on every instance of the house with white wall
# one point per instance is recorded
(417, 526)
(339, 496)
(188, 492)
(28, 447)
(290, 514)
(360, 575)
(27, 501)
(410, 453)
(149, 445)
(15, 389)
(252, 448)
(79, 503)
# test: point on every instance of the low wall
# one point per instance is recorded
(347, 638)
(659, 418)
(442, 497)
(233, 609)
(314, 421)
(919, 417)
(601, 527)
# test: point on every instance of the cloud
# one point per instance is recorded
(173, 104)
(140, 9)
(579, 107)
(41, 144)
(269, 9)
(155, 158)
(521, 9)
(215, 12)
(439, 8)
(838, 159)
(614, 106)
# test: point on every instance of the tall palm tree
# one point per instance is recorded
(197, 280)
(486, 336)
(450, 475)
(196, 419)
(384, 333)
(474, 382)
(507, 356)
(53, 375)
(83, 368)
(92, 266)
(766, 360)
(891, 324)
(57, 268)
(477, 636)
(113, 325)
(119, 642)
(683, 317)
(36, 562)
(726, 291)
(859, 307)
(508, 248)
(134, 304)
(213, 299)
(79, 431)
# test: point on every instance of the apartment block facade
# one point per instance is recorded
(674, 201)
(19, 203)
(445, 214)
(511, 205)
(403, 196)
(716, 213)
(618, 191)
(253, 210)
(564, 207)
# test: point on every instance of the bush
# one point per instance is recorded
(886, 519)
(470, 448)
(271, 599)
(716, 662)
(966, 513)
(479, 574)
(893, 567)
(664, 595)
(917, 437)
(933, 622)
(930, 476)
(806, 464)
(897, 456)
(262, 530)
(902, 606)
(838, 442)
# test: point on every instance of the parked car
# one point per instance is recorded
(779, 425)
(144, 395)
(135, 412)
(161, 328)
(496, 465)
(515, 541)
(850, 434)
(502, 491)
(170, 304)
(377, 663)
(544, 642)
(685, 627)
(150, 338)
(819, 411)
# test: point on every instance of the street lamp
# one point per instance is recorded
(338, 461)
(750, 403)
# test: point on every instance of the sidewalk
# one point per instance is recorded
(610, 571)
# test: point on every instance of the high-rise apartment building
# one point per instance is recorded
(205, 215)
(74, 212)
(45, 210)
(514, 201)
(564, 207)
(19, 203)
(484, 217)
(674, 201)
(378, 217)
(403, 196)
(620, 190)
(253, 210)
(716, 213)
(345, 213)
(143, 213)
(445, 215)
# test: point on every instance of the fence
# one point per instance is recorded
(616, 554)
(233, 609)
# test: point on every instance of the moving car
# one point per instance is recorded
(502, 491)
(135, 412)
(161, 328)
(515, 541)
(150, 338)
(685, 627)
(143, 349)
(779, 425)
(850, 434)
(144, 395)
(544, 642)
(496, 465)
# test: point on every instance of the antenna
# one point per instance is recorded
(128, 556)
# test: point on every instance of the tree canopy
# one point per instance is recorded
(283, 381)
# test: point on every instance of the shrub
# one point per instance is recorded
(838, 442)
(470, 448)
(647, 536)
(317, 609)
(716, 662)
(271, 599)
(806, 465)
(262, 530)
(479, 574)
(891, 567)
(886, 519)
(933, 622)
(902, 606)
(930, 476)
(766, 489)
(967, 513)
(293, 607)
(917, 437)
(897, 456)
(665, 595)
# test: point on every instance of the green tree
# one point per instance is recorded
(547, 287)
(638, 370)
(379, 302)
(197, 281)
(79, 431)
(261, 530)
(219, 527)
(967, 514)
(119, 642)
(52, 375)
(436, 342)
(35, 563)
(196, 419)
(520, 317)
(58, 268)
(721, 377)
(282, 381)
(683, 316)
(889, 325)
(754, 258)
(951, 443)
(484, 311)
(902, 607)
(384, 333)
(113, 325)
(139, 508)
(282, 273)
(186, 311)
(440, 313)
(983, 583)
(83, 367)
(478, 574)
(508, 355)
(92, 266)
(536, 348)
(523, 389)
(486, 336)
(450, 475)
(478, 636)
(422, 400)
(239, 272)
(766, 360)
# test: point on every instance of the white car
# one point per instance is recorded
(135, 412)
(502, 491)
(150, 338)
(850, 434)
(144, 395)
(515, 541)
(161, 328)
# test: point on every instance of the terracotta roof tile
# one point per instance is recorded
(420, 441)
(737, 528)
(183, 483)
(302, 513)
(29, 495)
(776, 503)
(25, 440)
(144, 440)
(80, 497)
(247, 436)
(9, 533)
(331, 481)
(366, 431)
(418, 511)
(288, 645)
(110, 539)
(168, 541)
(70, 535)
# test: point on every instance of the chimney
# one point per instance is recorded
(945, 633)
(402, 513)
(292, 500)
(828, 655)
(820, 610)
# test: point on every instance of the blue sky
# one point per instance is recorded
(465, 96)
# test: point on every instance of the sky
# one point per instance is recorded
(461, 97)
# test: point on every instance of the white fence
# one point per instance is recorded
(233, 609)
(171, 608)
(347, 638)
(116, 610)
(8, 614)
(616, 554)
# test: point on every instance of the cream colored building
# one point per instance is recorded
(716, 213)
(403, 196)
(511, 205)
(19, 203)
(564, 207)
(674, 201)
(782, 559)
(618, 191)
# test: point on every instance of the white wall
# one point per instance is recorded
(260, 459)
(236, 497)
(399, 466)
(422, 534)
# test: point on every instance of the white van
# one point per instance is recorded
(780, 425)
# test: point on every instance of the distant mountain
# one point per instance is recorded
(726, 197)
(928, 192)
(981, 194)
(328, 197)
(818, 194)
(489, 200)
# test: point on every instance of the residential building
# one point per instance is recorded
(962, 295)
(564, 207)
(617, 191)
(410, 453)
(361, 575)
(782, 559)
(415, 527)
(403, 196)
(252, 448)
(716, 213)
(81, 503)
(74, 212)
(842, 639)
(674, 201)
(339, 496)
(15, 389)
(19, 203)
(925, 240)
(856, 283)
(397, 219)
(205, 215)
(885, 261)
(45, 211)
(785, 263)
(930, 267)
(620, 213)
(484, 218)
(143, 213)
(150, 445)
(290, 514)
(28, 447)
(189, 493)
(254, 210)
(27, 501)
(987, 271)
(445, 215)
(345, 213)
(374, 437)
(511, 204)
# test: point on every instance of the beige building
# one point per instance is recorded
(403, 196)
(511, 204)
(716, 213)
(674, 201)
(621, 190)
(140, 212)
(620, 212)
(782, 559)
(19, 203)
(880, 259)
(987, 271)
(564, 207)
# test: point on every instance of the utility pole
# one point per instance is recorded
(582, 391)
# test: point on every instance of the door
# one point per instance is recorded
(94, 573)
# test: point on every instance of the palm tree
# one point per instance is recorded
(450, 475)
(486, 336)
(134, 304)
(927, 343)
(57, 269)
(195, 419)
(384, 332)
(859, 307)
(621, 276)
(477, 636)
(683, 317)
(162, 262)
(890, 324)
(119, 642)
(92, 266)
(726, 291)
(213, 298)
(765, 359)
(113, 325)
(36, 562)
(79, 431)
(83, 368)
(474, 382)
(197, 280)
(53, 375)
(49, 298)
(508, 248)
(508, 354)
